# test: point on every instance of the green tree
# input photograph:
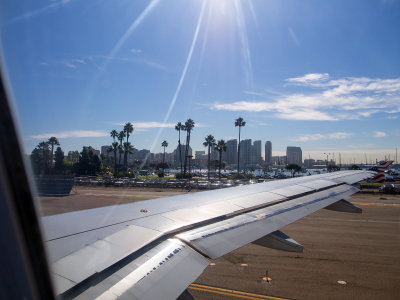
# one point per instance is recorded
(73, 156)
(188, 127)
(209, 142)
(220, 147)
(239, 123)
(179, 126)
(89, 163)
(40, 158)
(293, 168)
(59, 160)
(53, 141)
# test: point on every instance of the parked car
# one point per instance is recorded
(387, 188)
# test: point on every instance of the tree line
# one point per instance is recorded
(45, 161)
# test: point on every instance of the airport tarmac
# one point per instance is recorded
(346, 256)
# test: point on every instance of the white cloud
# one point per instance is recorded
(72, 134)
(338, 99)
(319, 136)
(244, 106)
(136, 51)
(379, 134)
(308, 78)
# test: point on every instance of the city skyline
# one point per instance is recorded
(321, 76)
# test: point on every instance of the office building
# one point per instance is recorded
(268, 153)
(231, 151)
(294, 155)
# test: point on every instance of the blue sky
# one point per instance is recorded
(322, 75)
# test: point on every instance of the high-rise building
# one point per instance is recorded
(294, 155)
(245, 152)
(231, 151)
(278, 160)
(308, 163)
(200, 155)
(256, 157)
(177, 157)
(104, 150)
(268, 153)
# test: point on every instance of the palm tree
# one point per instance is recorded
(128, 149)
(188, 127)
(128, 128)
(114, 134)
(164, 144)
(209, 142)
(53, 141)
(239, 122)
(179, 126)
(121, 137)
(221, 146)
(114, 148)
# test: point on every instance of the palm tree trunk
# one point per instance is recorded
(115, 162)
(180, 151)
(208, 174)
(220, 159)
(163, 159)
(52, 153)
(186, 153)
(239, 154)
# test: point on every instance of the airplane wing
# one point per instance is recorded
(154, 249)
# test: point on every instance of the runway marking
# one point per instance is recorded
(378, 204)
(229, 292)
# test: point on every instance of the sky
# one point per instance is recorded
(320, 75)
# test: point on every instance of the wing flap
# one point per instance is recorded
(161, 273)
(220, 238)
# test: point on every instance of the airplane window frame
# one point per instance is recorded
(24, 272)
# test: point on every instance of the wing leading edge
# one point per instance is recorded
(155, 249)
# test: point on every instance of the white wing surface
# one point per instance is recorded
(154, 249)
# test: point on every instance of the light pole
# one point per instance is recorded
(327, 160)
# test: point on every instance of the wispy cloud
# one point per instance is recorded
(72, 134)
(40, 11)
(337, 99)
(133, 60)
(379, 134)
(309, 78)
(294, 37)
(319, 136)
(136, 51)
(145, 126)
